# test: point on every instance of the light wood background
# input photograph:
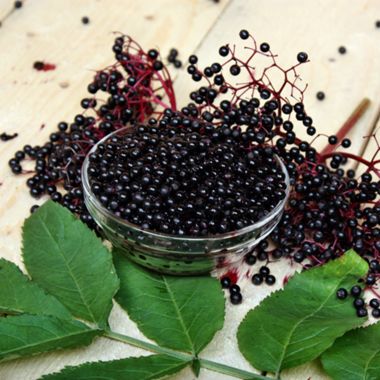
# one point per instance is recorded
(51, 30)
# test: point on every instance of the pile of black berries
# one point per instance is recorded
(188, 179)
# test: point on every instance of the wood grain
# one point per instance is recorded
(51, 30)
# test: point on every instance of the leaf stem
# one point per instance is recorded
(231, 371)
(147, 346)
(207, 364)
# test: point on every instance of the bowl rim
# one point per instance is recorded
(262, 222)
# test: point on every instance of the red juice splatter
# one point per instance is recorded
(44, 66)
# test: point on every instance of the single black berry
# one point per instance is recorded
(223, 51)
(257, 279)
(235, 70)
(236, 298)
(374, 303)
(376, 313)
(320, 95)
(235, 288)
(302, 57)
(362, 312)
(250, 259)
(243, 34)
(264, 270)
(342, 50)
(270, 279)
(346, 143)
(358, 303)
(225, 282)
(356, 291)
(264, 47)
(341, 293)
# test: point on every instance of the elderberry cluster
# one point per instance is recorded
(186, 177)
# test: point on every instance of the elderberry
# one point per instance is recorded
(225, 282)
(302, 57)
(376, 313)
(250, 259)
(236, 298)
(270, 279)
(361, 312)
(341, 293)
(342, 50)
(356, 291)
(257, 279)
(320, 95)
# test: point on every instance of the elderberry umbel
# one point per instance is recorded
(187, 179)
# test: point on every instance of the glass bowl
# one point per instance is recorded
(179, 255)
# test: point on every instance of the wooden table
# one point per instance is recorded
(52, 30)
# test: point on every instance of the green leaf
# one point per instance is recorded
(20, 295)
(142, 368)
(295, 325)
(182, 313)
(356, 355)
(67, 259)
(25, 335)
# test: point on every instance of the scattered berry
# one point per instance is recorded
(342, 293)
(361, 313)
(250, 259)
(236, 298)
(270, 279)
(358, 303)
(320, 95)
(342, 50)
(356, 291)
(234, 288)
(264, 271)
(257, 279)
(376, 313)
(225, 282)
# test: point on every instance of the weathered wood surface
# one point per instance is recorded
(51, 30)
